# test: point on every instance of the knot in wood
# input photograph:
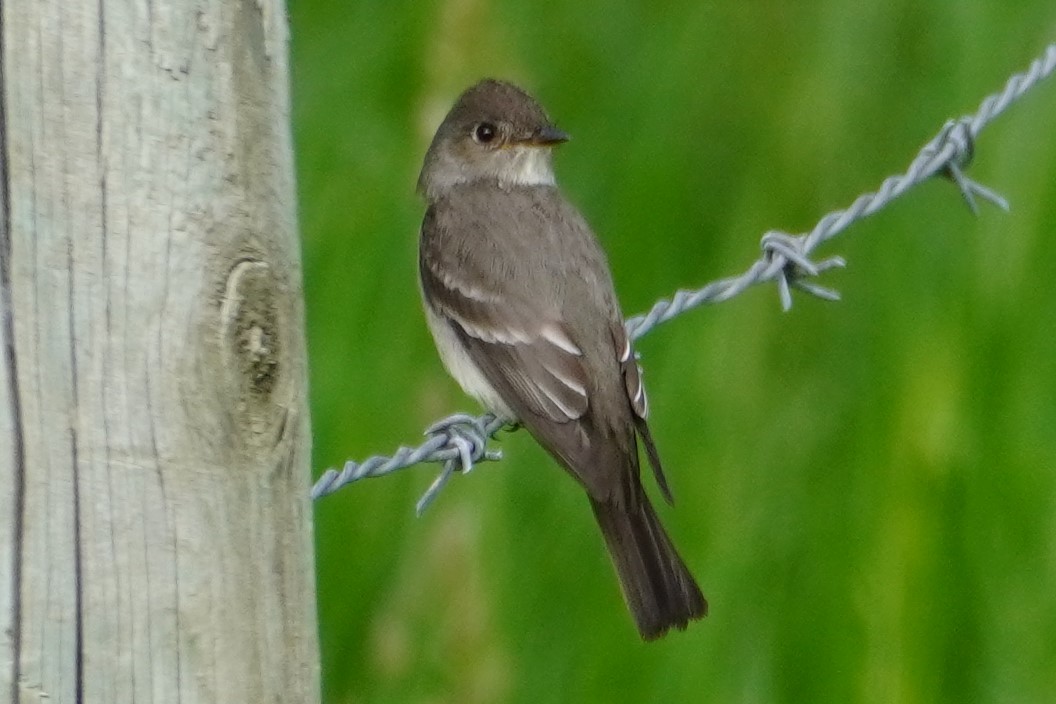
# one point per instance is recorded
(251, 329)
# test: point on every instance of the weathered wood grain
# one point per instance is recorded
(155, 529)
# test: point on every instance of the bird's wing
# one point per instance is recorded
(518, 345)
(635, 387)
(519, 341)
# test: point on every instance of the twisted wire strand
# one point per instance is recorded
(460, 441)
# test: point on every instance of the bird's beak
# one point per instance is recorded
(547, 137)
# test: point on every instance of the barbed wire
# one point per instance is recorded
(460, 441)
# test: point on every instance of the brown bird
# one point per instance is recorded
(520, 301)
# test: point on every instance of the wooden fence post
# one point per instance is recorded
(155, 528)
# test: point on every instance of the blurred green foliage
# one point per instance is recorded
(866, 489)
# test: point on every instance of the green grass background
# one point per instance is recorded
(866, 490)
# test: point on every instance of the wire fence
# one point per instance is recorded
(460, 441)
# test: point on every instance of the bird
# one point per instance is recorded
(520, 301)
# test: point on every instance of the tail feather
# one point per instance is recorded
(658, 588)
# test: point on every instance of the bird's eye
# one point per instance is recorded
(484, 133)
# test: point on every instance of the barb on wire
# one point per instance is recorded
(460, 441)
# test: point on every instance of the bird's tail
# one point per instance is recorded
(658, 588)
